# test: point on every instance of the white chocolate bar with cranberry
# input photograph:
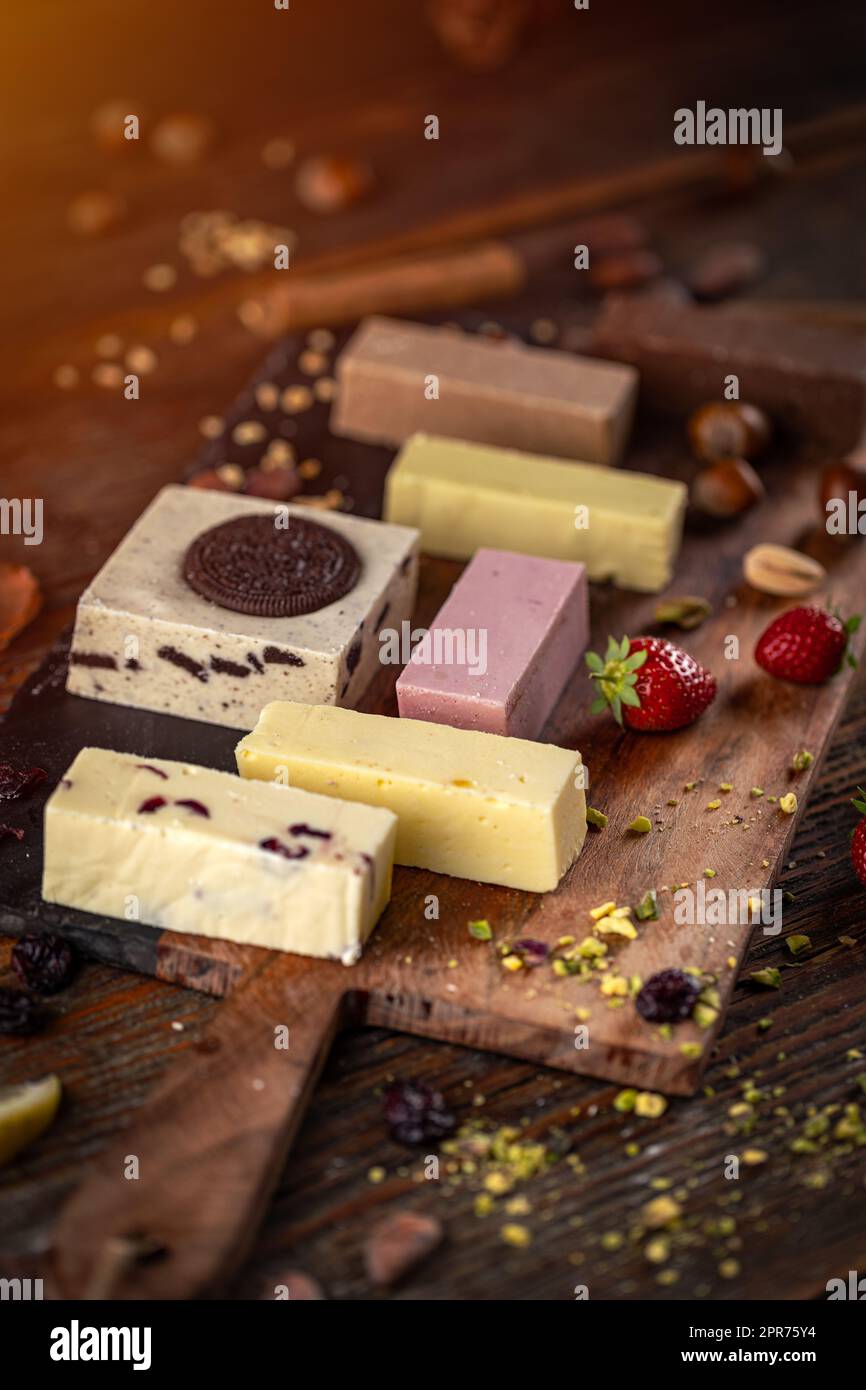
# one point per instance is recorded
(476, 805)
(188, 849)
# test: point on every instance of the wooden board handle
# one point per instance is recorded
(403, 286)
(170, 1210)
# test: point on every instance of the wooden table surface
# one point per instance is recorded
(589, 97)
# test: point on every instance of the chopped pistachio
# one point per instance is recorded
(692, 1050)
(484, 1204)
(729, 1269)
(709, 873)
(705, 1015)
(617, 926)
(752, 1157)
(565, 941)
(756, 792)
(512, 962)
(376, 1175)
(649, 1105)
(641, 825)
(611, 1240)
(659, 1211)
(764, 1024)
(614, 985)
(672, 801)
(797, 944)
(713, 805)
(657, 1250)
(769, 977)
(632, 1149)
(596, 818)
(648, 907)
(788, 804)
(726, 786)
(624, 1101)
(590, 948)
(518, 1236)
(603, 911)
(801, 760)
(481, 930)
(689, 786)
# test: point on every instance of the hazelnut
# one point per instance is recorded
(726, 488)
(210, 479)
(329, 183)
(91, 214)
(724, 269)
(729, 429)
(624, 270)
(278, 484)
(182, 138)
(841, 478)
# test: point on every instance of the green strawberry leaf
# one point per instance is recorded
(629, 697)
(598, 706)
(594, 662)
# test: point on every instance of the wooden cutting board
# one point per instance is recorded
(231, 1108)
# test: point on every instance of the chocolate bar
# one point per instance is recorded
(397, 378)
(811, 379)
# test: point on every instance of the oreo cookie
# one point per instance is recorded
(250, 566)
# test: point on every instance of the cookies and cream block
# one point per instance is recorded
(621, 525)
(397, 377)
(187, 849)
(501, 648)
(499, 810)
(215, 604)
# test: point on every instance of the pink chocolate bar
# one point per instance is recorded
(502, 646)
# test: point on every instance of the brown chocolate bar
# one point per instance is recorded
(398, 378)
(810, 379)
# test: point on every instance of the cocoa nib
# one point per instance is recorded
(44, 961)
(399, 1243)
(19, 782)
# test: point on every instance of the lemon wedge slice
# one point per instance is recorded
(25, 1111)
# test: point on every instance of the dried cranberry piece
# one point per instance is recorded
(16, 782)
(197, 807)
(44, 961)
(668, 997)
(275, 846)
(531, 952)
(416, 1114)
(20, 1013)
(153, 803)
(157, 771)
(303, 829)
(12, 831)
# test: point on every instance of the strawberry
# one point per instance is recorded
(858, 843)
(650, 684)
(806, 645)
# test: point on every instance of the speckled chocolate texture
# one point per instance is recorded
(161, 646)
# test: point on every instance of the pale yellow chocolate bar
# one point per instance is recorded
(623, 526)
(191, 850)
(476, 805)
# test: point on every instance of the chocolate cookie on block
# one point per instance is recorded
(213, 605)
